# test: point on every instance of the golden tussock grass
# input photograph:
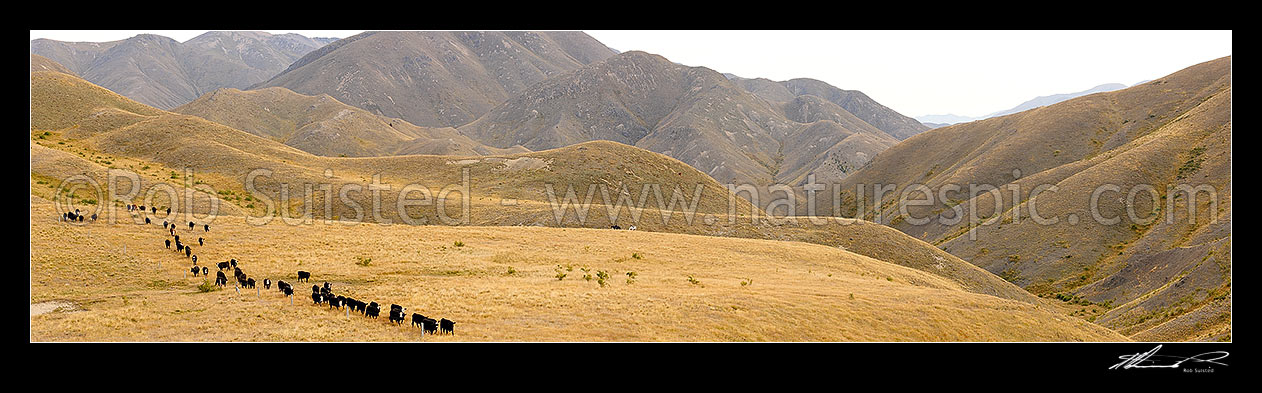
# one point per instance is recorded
(744, 290)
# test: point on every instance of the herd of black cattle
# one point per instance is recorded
(320, 295)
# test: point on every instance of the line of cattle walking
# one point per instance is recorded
(320, 295)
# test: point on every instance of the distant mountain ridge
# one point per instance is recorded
(164, 73)
(948, 119)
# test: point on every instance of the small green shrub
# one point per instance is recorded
(207, 286)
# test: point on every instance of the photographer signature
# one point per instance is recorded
(1151, 359)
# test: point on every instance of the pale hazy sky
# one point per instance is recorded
(969, 73)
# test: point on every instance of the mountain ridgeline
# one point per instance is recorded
(436, 79)
(693, 114)
(165, 73)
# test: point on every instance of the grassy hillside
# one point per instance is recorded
(323, 126)
(500, 284)
(1134, 274)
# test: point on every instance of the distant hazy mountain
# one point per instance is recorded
(436, 79)
(949, 119)
(1052, 99)
(165, 73)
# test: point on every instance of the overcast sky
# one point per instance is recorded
(969, 73)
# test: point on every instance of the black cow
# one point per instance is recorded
(281, 285)
(289, 291)
(327, 286)
(223, 265)
(155, 207)
(335, 302)
(168, 244)
(430, 325)
(188, 252)
(315, 297)
(315, 289)
(155, 210)
(448, 326)
(164, 224)
(355, 305)
(221, 280)
(267, 283)
(206, 228)
(205, 271)
(201, 242)
(236, 271)
(233, 261)
(372, 310)
(177, 238)
(190, 225)
(147, 220)
(178, 247)
(396, 316)
(194, 259)
(614, 227)
(249, 283)
(304, 276)
(241, 281)
(196, 271)
(418, 319)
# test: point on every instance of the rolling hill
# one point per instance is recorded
(164, 73)
(436, 79)
(323, 126)
(1122, 154)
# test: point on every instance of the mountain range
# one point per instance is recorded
(936, 121)
(165, 73)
